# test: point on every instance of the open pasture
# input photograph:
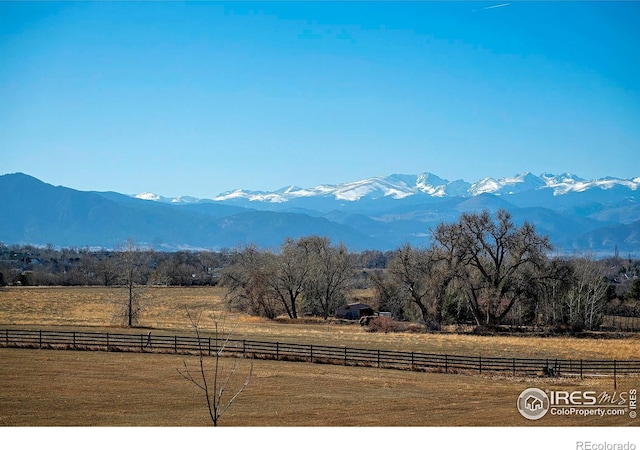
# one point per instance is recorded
(47, 387)
(74, 308)
(60, 388)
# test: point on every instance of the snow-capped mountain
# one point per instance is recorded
(394, 186)
(506, 186)
(399, 186)
(158, 198)
(562, 184)
(382, 213)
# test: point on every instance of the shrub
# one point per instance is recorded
(383, 324)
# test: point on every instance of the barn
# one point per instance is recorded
(354, 311)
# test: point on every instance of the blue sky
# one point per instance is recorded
(200, 98)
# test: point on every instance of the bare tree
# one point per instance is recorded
(131, 261)
(249, 280)
(423, 275)
(308, 267)
(388, 293)
(107, 270)
(493, 261)
(213, 383)
(330, 274)
(584, 302)
(409, 270)
(290, 274)
(554, 280)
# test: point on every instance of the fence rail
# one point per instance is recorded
(417, 361)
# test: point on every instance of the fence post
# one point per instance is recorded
(446, 364)
(141, 342)
(209, 346)
(581, 377)
(311, 352)
(615, 376)
(277, 350)
(411, 360)
(480, 364)
(107, 341)
(6, 336)
(345, 355)
(514, 367)
(244, 349)
(175, 343)
(74, 339)
(547, 366)
(40, 339)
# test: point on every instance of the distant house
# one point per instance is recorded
(354, 311)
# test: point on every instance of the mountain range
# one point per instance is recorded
(599, 216)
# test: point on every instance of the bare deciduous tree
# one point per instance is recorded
(309, 266)
(410, 272)
(131, 261)
(330, 274)
(214, 383)
(388, 293)
(423, 276)
(249, 281)
(584, 302)
(107, 271)
(553, 280)
(290, 274)
(493, 261)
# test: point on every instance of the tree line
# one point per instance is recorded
(28, 265)
(482, 269)
(487, 271)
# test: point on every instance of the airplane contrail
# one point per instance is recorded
(497, 6)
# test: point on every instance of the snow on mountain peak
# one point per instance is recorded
(508, 185)
(566, 182)
(432, 184)
(399, 186)
(271, 197)
(148, 196)
(372, 187)
(486, 185)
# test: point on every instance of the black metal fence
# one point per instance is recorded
(416, 361)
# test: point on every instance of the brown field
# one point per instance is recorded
(47, 387)
(79, 307)
(59, 388)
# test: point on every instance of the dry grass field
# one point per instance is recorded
(79, 307)
(53, 388)
(59, 388)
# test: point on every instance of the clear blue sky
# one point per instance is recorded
(201, 98)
